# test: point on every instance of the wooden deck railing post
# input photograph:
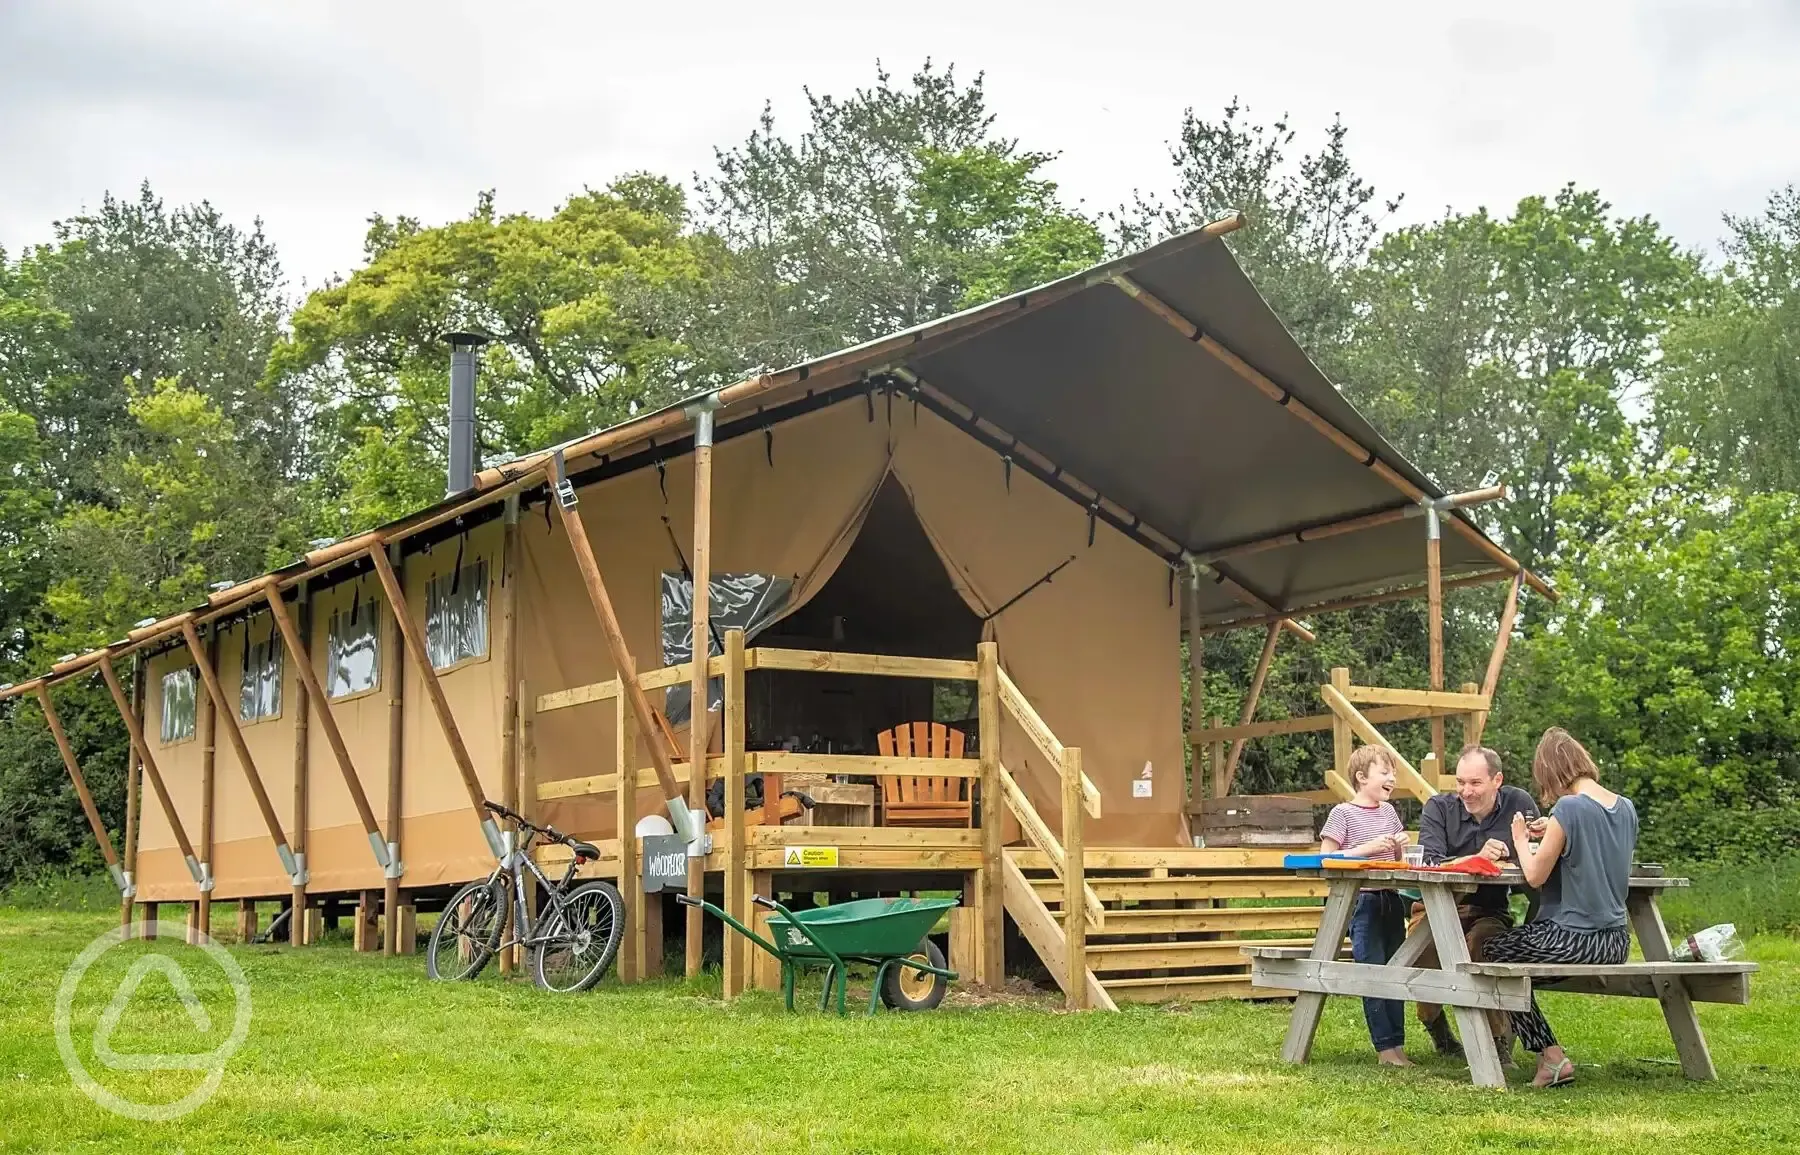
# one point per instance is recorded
(631, 948)
(991, 901)
(1074, 876)
(737, 857)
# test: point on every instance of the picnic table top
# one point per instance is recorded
(1508, 876)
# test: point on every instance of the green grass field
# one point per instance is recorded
(350, 1052)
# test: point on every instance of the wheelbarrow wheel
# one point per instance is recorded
(906, 989)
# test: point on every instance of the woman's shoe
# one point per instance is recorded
(1557, 1076)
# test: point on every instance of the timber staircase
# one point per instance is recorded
(1174, 920)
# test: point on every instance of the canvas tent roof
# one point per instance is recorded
(1126, 391)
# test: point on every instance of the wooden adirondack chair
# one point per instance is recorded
(911, 800)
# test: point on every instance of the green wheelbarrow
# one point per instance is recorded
(887, 933)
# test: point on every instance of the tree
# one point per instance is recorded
(1505, 348)
(1311, 219)
(24, 505)
(1674, 654)
(587, 309)
(1729, 382)
(894, 207)
(136, 292)
(176, 516)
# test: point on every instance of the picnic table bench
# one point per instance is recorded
(1470, 988)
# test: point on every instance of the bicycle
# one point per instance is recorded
(570, 943)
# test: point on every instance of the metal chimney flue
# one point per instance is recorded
(462, 410)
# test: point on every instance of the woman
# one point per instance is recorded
(1581, 864)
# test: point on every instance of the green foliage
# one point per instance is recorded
(1729, 385)
(1675, 653)
(894, 207)
(586, 308)
(1760, 896)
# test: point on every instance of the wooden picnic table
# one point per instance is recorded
(1469, 988)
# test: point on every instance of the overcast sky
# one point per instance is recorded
(312, 116)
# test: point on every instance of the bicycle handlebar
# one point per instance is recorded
(549, 832)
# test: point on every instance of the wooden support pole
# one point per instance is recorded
(246, 920)
(737, 859)
(1250, 700)
(428, 680)
(1074, 902)
(200, 919)
(302, 781)
(991, 902)
(365, 934)
(1341, 739)
(133, 791)
(698, 726)
(299, 653)
(75, 776)
(1217, 625)
(1349, 445)
(1215, 762)
(220, 708)
(136, 730)
(393, 677)
(1491, 681)
(623, 662)
(1434, 596)
(1410, 779)
(513, 957)
(631, 949)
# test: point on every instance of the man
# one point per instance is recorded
(1476, 820)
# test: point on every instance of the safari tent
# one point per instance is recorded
(1004, 521)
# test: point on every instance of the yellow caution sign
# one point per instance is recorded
(810, 856)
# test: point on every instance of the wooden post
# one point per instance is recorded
(300, 653)
(697, 705)
(1434, 596)
(366, 934)
(201, 916)
(631, 951)
(1216, 761)
(1249, 712)
(737, 853)
(528, 800)
(428, 679)
(219, 707)
(393, 676)
(136, 730)
(1472, 722)
(991, 901)
(623, 662)
(302, 713)
(246, 920)
(509, 664)
(1341, 743)
(1196, 699)
(409, 927)
(133, 792)
(1074, 878)
(765, 972)
(81, 787)
(1508, 615)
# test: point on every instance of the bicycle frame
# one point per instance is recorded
(517, 861)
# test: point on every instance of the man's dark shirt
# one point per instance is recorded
(1447, 831)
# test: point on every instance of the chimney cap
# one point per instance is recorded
(461, 340)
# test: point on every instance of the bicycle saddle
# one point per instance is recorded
(584, 851)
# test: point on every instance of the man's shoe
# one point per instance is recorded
(1442, 1039)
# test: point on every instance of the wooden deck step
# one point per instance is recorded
(1189, 888)
(1226, 920)
(1188, 989)
(1112, 957)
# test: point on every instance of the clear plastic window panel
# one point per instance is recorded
(456, 616)
(352, 650)
(259, 693)
(178, 705)
(739, 601)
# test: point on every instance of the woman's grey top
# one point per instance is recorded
(1586, 888)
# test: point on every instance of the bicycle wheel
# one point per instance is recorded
(468, 932)
(579, 940)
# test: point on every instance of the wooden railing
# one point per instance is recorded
(997, 692)
(1347, 718)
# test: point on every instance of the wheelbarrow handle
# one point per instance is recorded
(722, 916)
(767, 903)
